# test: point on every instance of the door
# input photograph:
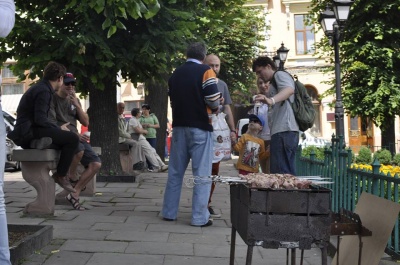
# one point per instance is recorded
(360, 133)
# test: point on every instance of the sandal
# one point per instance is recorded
(73, 184)
(75, 202)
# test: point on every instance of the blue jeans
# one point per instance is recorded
(283, 152)
(4, 248)
(196, 144)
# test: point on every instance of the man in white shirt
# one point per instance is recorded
(136, 129)
(7, 15)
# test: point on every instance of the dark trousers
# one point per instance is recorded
(214, 171)
(65, 140)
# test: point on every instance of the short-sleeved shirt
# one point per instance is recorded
(152, 119)
(223, 88)
(65, 112)
(281, 117)
(133, 123)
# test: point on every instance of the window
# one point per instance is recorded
(6, 72)
(305, 38)
(12, 89)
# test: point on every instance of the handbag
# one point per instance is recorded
(221, 138)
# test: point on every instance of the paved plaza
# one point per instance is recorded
(123, 226)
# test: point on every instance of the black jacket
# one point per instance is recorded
(32, 112)
(35, 105)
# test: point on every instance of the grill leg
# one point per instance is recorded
(302, 257)
(293, 256)
(249, 256)
(337, 250)
(324, 256)
(233, 242)
(287, 256)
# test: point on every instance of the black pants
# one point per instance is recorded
(65, 140)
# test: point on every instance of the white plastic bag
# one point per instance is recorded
(221, 137)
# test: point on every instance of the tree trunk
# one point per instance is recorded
(104, 125)
(157, 98)
(388, 138)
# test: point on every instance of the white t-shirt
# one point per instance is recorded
(133, 123)
(7, 15)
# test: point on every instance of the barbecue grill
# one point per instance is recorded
(281, 218)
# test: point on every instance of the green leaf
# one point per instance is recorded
(111, 31)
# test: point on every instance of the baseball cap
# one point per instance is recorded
(257, 118)
(69, 77)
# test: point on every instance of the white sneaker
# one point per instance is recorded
(163, 168)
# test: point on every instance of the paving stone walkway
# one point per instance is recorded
(123, 226)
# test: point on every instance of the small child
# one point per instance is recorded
(250, 147)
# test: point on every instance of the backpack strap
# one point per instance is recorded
(273, 82)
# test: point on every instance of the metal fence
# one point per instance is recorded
(350, 182)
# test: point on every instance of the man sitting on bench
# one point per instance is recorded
(66, 110)
(125, 138)
(33, 122)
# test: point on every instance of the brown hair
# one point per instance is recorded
(53, 71)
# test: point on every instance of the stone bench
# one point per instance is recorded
(35, 167)
(125, 158)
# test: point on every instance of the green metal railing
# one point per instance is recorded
(349, 183)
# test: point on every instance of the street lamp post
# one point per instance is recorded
(282, 53)
(332, 23)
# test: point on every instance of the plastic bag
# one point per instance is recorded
(221, 137)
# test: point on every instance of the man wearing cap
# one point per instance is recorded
(66, 110)
(250, 147)
(194, 95)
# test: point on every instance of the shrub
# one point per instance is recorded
(319, 152)
(396, 159)
(384, 156)
(364, 156)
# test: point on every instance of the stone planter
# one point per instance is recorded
(40, 236)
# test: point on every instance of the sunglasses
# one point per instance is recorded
(69, 83)
(256, 121)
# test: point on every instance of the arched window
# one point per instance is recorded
(313, 93)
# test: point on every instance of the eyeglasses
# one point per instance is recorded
(69, 83)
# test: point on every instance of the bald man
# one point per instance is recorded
(214, 62)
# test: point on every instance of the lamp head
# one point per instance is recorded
(282, 52)
(326, 19)
(341, 8)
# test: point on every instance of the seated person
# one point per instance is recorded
(125, 138)
(136, 129)
(67, 110)
(33, 122)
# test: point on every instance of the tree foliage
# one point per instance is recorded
(233, 33)
(141, 39)
(370, 61)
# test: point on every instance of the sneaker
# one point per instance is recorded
(209, 223)
(163, 168)
(138, 166)
(150, 170)
(41, 143)
(212, 213)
